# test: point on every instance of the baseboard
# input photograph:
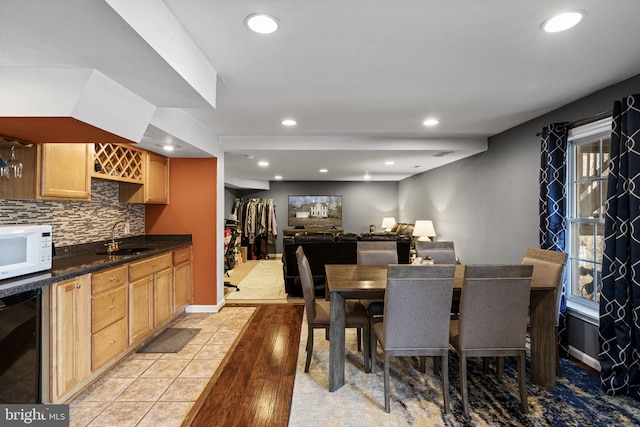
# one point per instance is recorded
(204, 308)
(584, 358)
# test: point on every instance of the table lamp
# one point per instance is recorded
(387, 223)
(423, 229)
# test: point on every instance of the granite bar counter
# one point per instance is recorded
(77, 260)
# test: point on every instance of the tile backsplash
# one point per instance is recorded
(77, 222)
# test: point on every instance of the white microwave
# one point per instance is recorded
(24, 249)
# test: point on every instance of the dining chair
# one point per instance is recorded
(319, 312)
(548, 268)
(440, 252)
(376, 253)
(416, 319)
(493, 319)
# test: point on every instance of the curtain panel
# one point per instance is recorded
(619, 331)
(552, 206)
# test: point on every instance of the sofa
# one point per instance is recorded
(326, 248)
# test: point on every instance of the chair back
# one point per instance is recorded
(494, 306)
(441, 252)
(417, 306)
(377, 253)
(306, 280)
(548, 268)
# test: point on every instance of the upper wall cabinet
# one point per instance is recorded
(143, 175)
(50, 171)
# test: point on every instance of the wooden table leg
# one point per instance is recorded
(336, 342)
(543, 339)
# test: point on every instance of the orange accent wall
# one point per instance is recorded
(191, 210)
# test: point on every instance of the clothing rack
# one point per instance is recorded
(257, 220)
(230, 250)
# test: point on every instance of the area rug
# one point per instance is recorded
(171, 340)
(416, 398)
(264, 282)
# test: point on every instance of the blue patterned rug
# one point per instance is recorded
(416, 399)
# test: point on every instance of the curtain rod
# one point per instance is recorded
(587, 120)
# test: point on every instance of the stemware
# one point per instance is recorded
(4, 169)
(14, 165)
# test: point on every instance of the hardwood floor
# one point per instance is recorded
(255, 386)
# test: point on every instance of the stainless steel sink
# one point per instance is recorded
(126, 251)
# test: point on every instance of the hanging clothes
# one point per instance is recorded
(257, 220)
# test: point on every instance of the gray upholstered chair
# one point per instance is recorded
(416, 319)
(441, 252)
(319, 312)
(548, 268)
(376, 253)
(493, 319)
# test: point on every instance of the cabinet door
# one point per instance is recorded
(182, 285)
(163, 304)
(140, 308)
(156, 186)
(70, 334)
(64, 171)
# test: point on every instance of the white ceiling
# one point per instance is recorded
(359, 76)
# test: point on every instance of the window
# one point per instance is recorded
(588, 170)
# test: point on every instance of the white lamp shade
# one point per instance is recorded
(424, 228)
(388, 222)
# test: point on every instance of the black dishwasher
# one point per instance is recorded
(20, 348)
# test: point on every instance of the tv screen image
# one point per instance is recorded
(315, 211)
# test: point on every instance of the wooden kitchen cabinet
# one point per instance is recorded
(162, 296)
(109, 315)
(70, 332)
(182, 278)
(155, 189)
(157, 272)
(140, 308)
(50, 171)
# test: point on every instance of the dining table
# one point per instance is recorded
(351, 281)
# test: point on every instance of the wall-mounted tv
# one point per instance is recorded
(315, 211)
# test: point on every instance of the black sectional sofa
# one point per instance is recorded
(327, 248)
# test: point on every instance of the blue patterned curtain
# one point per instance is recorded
(619, 333)
(553, 188)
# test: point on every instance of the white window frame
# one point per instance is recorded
(585, 310)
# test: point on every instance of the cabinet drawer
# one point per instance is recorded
(181, 255)
(108, 308)
(149, 266)
(108, 343)
(108, 279)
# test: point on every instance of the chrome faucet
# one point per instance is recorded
(113, 246)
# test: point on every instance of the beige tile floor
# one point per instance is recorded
(159, 389)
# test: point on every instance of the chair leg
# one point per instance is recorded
(387, 404)
(309, 349)
(499, 367)
(373, 348)
(444, 368)
(463, 383)
(359, 335)
(558, 365)
(522, 381)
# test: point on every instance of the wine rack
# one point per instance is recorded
(119, 162)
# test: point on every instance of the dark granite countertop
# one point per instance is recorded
(77, 260)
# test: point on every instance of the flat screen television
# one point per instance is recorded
(315, 211)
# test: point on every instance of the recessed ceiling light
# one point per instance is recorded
(262, 23)
(323, 170)
(430, 122)
(562, 21)
(366, 175)
(289, 122)
(278, 177)
(389, 163)
(168, 147)
(263, 163)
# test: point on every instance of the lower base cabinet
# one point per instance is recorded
(140, 308)
(70, 332)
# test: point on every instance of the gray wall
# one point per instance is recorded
(363, 203)
(488, 204)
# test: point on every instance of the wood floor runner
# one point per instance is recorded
(256, 385)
